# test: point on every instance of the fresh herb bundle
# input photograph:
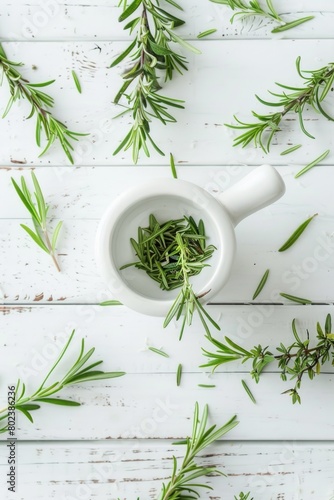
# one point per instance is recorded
(294, 361)
(39, 213)
(312, 94)
(151, 51)
(79, 372)
(171, 253)
(41, 103)
(253, 8)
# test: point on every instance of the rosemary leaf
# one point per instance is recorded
(203, 34)
(206, 386)
(291, 150)
(158, 351)
(296, 234)
(76, 81)
(172, 166)
(293, 24)
(260, 286)
(313, 164)
(296, 299)
(178, 375)
(111, 303)
(247, 389)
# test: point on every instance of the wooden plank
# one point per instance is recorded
(199, 137)
(57, 19)
(146, 402)
(127, 470)
(80, 197)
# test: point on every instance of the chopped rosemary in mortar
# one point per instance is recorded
(171, 253)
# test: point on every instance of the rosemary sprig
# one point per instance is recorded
(294, 361)
(41, 104)
(81, 371)
(39, 213)
(292, 100)
(181, 484)
(243, 496)
(171, 253)
(253, 8)
(151, 51)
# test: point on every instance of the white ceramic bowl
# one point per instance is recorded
(172, 199)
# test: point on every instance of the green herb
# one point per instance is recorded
(171, 253)
(296, 234)
(178, 375)
(206, 33)
(291, 150)
(79, 372)
(292, 100)
(206, 386)
(181, 484)
(76, 81)
(247, 389)
(295, 360)
(263, 281)
(158, 351)
(172, 166)
(313, 164)
(111, 303)
(151, 52)
(40, 102)
(243, 496)
(296, 299)
(39, 215)
(253, 8)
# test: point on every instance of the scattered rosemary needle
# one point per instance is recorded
(312, 94)
(151, 52)
(203, 34)
(295, 360)
(296, 234)
(39, 215)
(158, 351)
(76, 81)
(111, 303)
(253, 8)
(178, 375)
(41, 104)
(248, 391)
(300, 300)
(260, 286)
(313, 164)
(291, 150)
(172, 166)
(171, 253)
(206, 386)
(78, 373)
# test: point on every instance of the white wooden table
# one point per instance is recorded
(118, 443)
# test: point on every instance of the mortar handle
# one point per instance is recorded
(258, 189)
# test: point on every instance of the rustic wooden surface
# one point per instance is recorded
(118, 443)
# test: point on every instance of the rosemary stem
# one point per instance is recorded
(48, 244)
